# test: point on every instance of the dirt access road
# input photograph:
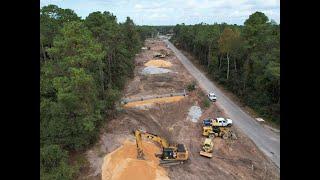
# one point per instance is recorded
(265, 139)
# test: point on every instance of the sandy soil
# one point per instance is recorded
(158, 63)
(122, 163)
(232, 159)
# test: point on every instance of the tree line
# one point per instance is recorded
(84, 66)
(243, 58)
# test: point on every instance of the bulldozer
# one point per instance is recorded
(170, 155)
(212, 131)
(207, 148)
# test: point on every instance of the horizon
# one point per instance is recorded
(172, 12)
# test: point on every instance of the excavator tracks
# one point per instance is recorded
(170, 163)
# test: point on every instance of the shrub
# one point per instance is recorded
(191, 86)
(53, 163)
(206, 103)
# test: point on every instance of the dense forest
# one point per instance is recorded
(153, 31)
(84, 67)
(147, 31)
(244, 59)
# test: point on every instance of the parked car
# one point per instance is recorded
(207, 122)
(212, 96)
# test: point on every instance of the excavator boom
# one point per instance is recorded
(139, 144)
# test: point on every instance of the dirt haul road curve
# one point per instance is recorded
(265, 139)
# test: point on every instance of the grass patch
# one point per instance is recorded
(206, 103)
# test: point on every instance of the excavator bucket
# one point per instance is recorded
(206, 154)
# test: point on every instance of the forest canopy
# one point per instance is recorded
(84, 66)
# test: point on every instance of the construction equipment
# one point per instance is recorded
(207, 148)
(224, 132)
(171, 154)
(159, 55)
(162, 54)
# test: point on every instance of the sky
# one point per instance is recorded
(172, 12)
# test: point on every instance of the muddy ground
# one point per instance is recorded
(233, 159)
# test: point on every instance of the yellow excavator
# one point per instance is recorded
(171, 154)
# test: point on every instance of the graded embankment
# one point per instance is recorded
(122, 164)
(149, 102)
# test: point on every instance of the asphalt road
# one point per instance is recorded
(266, 140)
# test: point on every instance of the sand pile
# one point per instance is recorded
(154, 70)
(150, 102)
(122, 164)
(158, 63)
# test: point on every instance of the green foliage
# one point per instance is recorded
(249, 55)
(191, 86)
(206, 103)
(52, 19)
(164, 29)
(147, 32)
(112, 96)
(51, 156)
(53, 164)
(84, 66)
(228, 40)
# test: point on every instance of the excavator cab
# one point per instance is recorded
(182, 153)
(167, 153)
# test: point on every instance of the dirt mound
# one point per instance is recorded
(122, 163)
(158, 63)
(154, 70)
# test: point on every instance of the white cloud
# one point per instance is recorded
(158, 16)
(47, 2)
(138, 6)
(177, 11)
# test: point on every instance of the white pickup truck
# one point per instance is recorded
(212, 96)
(220, 122)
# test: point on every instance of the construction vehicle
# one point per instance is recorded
(207, 148)
(224, 132)
(171, 154)
(159, 55)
